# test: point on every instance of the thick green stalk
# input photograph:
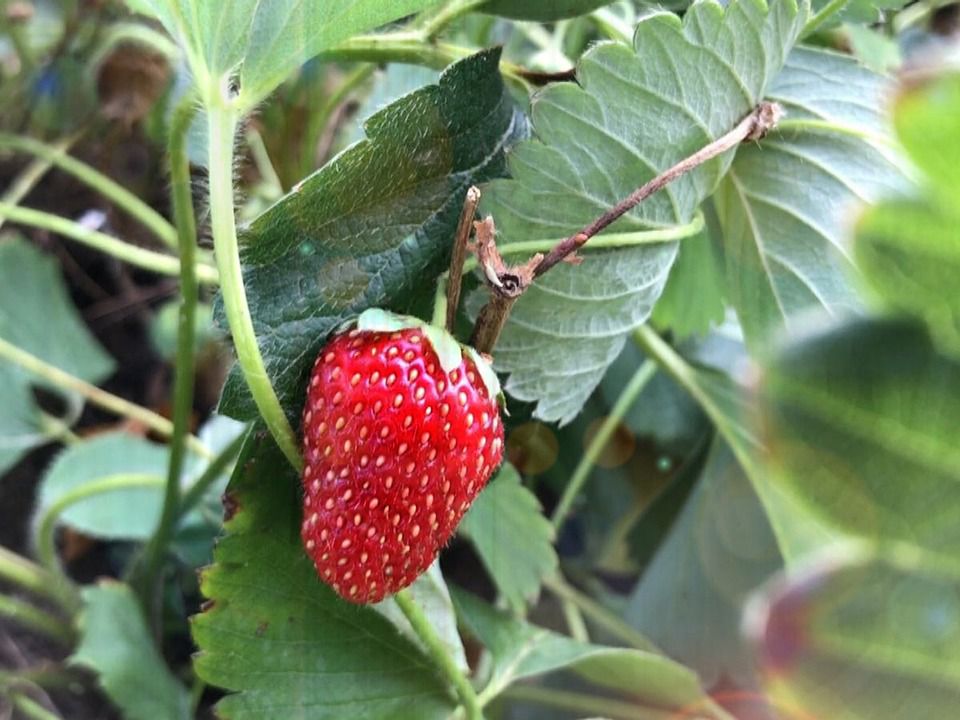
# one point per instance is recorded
(30, 709)
(32, 578)
(183, 377)
(222, 126)
(141, 257)
(441, 658)
(34, 619)
(446, 15)
(44, 538)
(581, 473)
(113, 191)
(93, 394)
(826, 12)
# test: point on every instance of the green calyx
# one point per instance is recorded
(449, 351)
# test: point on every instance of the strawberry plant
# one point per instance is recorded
(479, 359)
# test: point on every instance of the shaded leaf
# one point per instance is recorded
(37, 315)
(521, 650)
(860, 423)
(117, 646)
(719, 549)
(515, 541)
(692, 299)
(372, 228)
(859, 636)
(636, 112)
(783, 206)
(281, 639)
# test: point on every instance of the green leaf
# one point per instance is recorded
(37, 315)
(636, 112)
(908, 247)
(374, 227)
(861, 636)
(520, 650)
(867, 12)
(264, 41)
(542, 10)
(515, 541)
(785, 203)
(861, 424)
(719, 549)
(116, 645)
(280, 638)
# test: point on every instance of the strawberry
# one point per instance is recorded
(401, 431)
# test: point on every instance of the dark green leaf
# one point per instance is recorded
(374, 227)
(861, 424)
(521, 650)
(515, 541)
(862, 637)
(720, 549)
(37, 315)
(784, 206)
(282, 639)
(117, 646)
(636, 112)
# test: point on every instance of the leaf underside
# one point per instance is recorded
(636, 112)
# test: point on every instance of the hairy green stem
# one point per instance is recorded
(141, 257)
(581, 473)
(30, 577)
(113, 191)
(600, 242)
(44, 538)
(30, 709)
(183, 382)
(222, 125)
(194, 494)
(598, 614)
(93, 394)
(318, 120)
(34, 619)
(445, 664)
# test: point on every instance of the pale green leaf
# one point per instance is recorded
(636, 112)
(117, 646)
(37, 315)
(280, 639)
(786, 203)
(515, 541)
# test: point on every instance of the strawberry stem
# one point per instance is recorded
(441, 658)
(459, 256)
(222, 124)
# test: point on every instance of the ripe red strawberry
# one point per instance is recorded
(401, 431)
